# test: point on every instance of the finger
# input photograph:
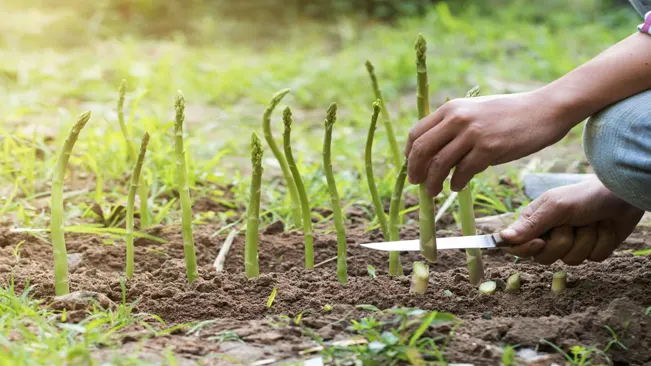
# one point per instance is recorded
(423, 126)
(426, 148)
(585, 238)
(543, 214)
(528, 249)
(606, 241)
(441, 164)
(473, 163)
(557, 246)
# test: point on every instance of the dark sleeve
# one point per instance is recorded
(641, 6)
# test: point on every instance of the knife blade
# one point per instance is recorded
(457, 242)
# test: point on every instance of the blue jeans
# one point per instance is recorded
(617, 143)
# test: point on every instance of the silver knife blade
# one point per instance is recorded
(457, 242)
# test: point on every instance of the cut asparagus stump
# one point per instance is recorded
(426, 211)
(342, 265)
(251, 267)
(282, 161)
(419, 278)
(135, 177)
(308, 237)
(513, 283)
(61, 283)
(488, 287)
(559, 282)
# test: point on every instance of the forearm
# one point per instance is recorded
(621, 71)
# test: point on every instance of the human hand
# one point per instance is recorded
(583, 221)
(472, 134)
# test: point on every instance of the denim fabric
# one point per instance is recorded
(617, 143)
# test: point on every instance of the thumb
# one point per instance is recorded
(541, 217)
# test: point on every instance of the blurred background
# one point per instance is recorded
(61, 57)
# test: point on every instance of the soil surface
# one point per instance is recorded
(614, 293)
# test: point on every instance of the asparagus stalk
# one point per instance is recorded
(393, 143)
(131, 200)
(184, 191)
(131, 151)
(61, 284)
(302, 193)
(291, 185)
(370, 176)
(559, 282)
(419, 278)
(426, 209)
(395, 268)
(251, 267)
(467, 215)
(342, 266)
(513, 283)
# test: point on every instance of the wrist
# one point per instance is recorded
(566, 107)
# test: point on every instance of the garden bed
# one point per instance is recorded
(613, 293)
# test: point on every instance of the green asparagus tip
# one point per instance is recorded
(145, 142)
(421, 48)
(331, 117)
(179, 106)
(256, 149)
(287, 117)
(369, 66)
(278, 96)
(473, 92)
(377, 105)
(82, 120)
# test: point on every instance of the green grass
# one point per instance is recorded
(50, 73)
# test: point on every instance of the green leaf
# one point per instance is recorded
(642, 252)
(423, 327)
(367, 307)
(272, 296)
(371, 271)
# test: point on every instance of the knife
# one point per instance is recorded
(457, 242)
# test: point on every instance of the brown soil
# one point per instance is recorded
(613, 293)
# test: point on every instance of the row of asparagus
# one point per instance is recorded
(300, 207)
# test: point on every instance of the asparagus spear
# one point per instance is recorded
(488, 287)
(130, 202)
(131, 151)
(395, 268)
(342, 266)
(253, 212)
(370, 176)
(291, 185)
(184, 191)
(426, 212)
(302, 193)
(61, 284)
(419, 278)
(393, 143)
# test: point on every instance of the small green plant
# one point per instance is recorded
(272, 296)
(184, 191)
(253, 212)
(130, 203)
(342, 265)
(508, 357)
(282, 161)
(61, 284)
(426, 210)
(308, 237)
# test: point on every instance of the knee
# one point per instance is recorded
(617, 145)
